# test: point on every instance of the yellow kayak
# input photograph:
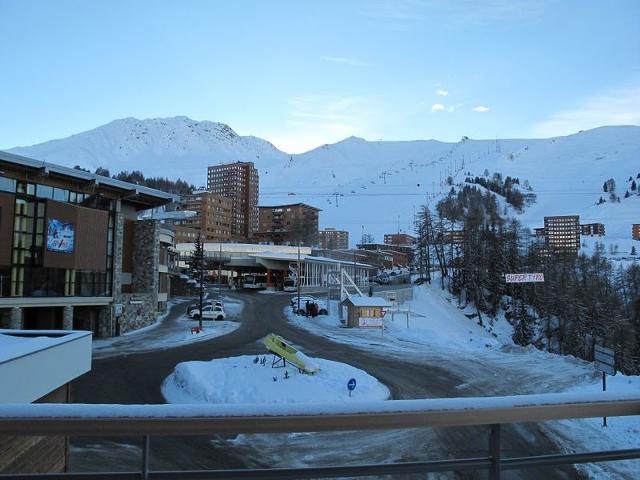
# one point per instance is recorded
(279, 346)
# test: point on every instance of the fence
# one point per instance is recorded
(147, 421)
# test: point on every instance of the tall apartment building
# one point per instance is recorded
(288, 224)
(563, 233)
(399, 239)
(213, 217)
(239, 182)
(332, 239)
(635, 231)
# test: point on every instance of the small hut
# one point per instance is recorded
(365, 312)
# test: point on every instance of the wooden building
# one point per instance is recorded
(366, 312)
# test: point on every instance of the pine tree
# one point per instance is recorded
(634, 186)
(523, 326)
(196, 271)
(633, 250)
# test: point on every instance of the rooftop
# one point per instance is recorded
(145, 197)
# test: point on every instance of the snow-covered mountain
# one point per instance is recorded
(375, 186)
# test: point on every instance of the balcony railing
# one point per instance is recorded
(147, 421)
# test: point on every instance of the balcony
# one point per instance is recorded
(147, 421)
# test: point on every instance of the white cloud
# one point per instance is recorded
(344, 60)
(442, 93)
(481, 109)
(616, 107)
(436, 107)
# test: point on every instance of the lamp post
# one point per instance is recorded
(298, 279)
(220, 272)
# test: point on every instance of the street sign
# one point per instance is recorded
(351, 385)
(524, 277)
(605, 359)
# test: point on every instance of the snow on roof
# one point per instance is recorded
(159, 196)
(48, 359)
(368, 301)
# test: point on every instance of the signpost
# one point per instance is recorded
(351, 385)
(605, 359)
(524, 277)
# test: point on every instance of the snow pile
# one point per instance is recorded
(12, 346)
(241, 380)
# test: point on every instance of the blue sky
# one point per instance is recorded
(302, 73)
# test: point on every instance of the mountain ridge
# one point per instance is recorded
(372, 186)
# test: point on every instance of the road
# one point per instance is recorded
(136, 378)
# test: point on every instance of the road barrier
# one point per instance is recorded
(147, 421)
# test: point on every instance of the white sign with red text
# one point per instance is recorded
(524, 277)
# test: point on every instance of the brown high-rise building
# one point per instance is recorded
(238, 182)
(288, 224)
(213, 218)
(563, 233)
(635, 231)
(332, 239)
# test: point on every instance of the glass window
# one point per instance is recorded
(31, 189)
(7, 184)
(44, 191)
(73, 197)
(60, 194)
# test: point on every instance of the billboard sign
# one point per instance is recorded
(524, 277)
(370, 322)
(60, 236)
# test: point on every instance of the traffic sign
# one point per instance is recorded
(605, 359)
(351, 385)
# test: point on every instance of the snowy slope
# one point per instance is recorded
(374, 186)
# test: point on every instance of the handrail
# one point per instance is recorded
(200, 419)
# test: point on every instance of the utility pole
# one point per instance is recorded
(200, 263)
(220, 272)
(298, 278)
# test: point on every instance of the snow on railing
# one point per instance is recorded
(256, 418)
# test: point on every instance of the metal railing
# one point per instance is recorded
(147, 421)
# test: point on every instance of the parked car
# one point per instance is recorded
(303, 299)
(322, 305)
(383, 279)
(210, 312)
(290, 285)
(207, 303)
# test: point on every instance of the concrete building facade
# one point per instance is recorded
(562, 233)
(332, 239)
(592, 229)
(213, 215)
(288, 225)
(240, 183)
(403, 239)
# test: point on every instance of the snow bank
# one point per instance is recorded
(238, 380)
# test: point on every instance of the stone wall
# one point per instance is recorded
(146, 257)
(138, 310)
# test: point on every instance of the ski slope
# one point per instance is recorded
(375, 186)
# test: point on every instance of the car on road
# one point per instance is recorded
(210, 312)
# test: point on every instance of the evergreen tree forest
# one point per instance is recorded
(583, 301)
(178, 187)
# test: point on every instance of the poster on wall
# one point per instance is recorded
(59, 236)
